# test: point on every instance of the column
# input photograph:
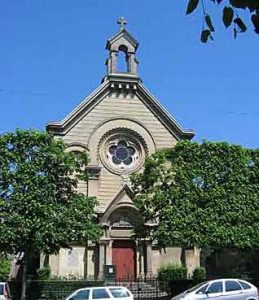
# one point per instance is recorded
(149, 259)
(140, 258)
(109, 253)
(113, 62)
(101, 259)
(132, 64)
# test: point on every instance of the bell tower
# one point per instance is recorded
(122, 43)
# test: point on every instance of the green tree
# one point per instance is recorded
(230, 15)
(40, 209)
(203, 195)
(4, 267)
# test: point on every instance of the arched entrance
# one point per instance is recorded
(118, 246)
(124, 258)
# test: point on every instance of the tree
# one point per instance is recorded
(4, 267)
(230, 15)
(40, 209)
(203, 195)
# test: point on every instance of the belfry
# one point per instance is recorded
(119, 125)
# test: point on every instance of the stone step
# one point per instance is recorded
(141, 289)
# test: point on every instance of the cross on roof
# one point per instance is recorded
(122, 22)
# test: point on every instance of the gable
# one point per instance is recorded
(128, 99)
(123, 200)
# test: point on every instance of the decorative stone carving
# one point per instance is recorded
(124, 221)
(93, 172)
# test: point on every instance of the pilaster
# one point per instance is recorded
(149, 259)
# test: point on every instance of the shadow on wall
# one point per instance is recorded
(230, 263)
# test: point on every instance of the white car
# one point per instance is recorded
(4, 291)
(221, 289)
(101, 293)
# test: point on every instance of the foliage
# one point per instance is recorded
(39, 205)
(230, 15)
(171, 272)
(199, 274)
(203, 195)
(44, 273)
(4, 268)
(40, 208)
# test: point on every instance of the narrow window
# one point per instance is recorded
(122, 60)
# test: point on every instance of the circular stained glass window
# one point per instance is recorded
(122, 153)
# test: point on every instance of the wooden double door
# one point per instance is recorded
(124, 259)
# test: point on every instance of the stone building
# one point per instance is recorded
(119, 124)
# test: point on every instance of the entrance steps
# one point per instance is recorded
(142, 289)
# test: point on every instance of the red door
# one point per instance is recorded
(123, 257)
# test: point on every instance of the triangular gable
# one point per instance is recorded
(109, 82)
(123, 199)
(125, 34)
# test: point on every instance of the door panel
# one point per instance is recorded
(123, 257)
(234, 291)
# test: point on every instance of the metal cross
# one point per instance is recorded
(122, 22)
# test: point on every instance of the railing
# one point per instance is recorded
(143, 288)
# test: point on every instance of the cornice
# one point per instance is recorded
(121, 82)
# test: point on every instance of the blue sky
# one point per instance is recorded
(52, 55)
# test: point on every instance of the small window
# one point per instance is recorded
(100, 294)
(245, 285)
(81, 295)
(1, 289)
(119, 293)
(232, 285)
(215, 287)
(122, 59)
(202, 290)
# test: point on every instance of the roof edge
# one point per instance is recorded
(59, 128)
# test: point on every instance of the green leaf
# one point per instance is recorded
(205, 34)
(209, 23)
(253, 5)
(192, 5)
(201, 189)
(228, 15)
(239, 3)
(255, 21)
(240, 24)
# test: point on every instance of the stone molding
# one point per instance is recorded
(61, 128)
(80, 147)
(122, 125)
(130, 136)
(116, 203)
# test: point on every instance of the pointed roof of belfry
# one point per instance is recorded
(122, 32)
(126, 35)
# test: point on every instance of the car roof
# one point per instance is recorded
(225, 279)
(103, 287)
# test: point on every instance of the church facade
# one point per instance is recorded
(119, 124)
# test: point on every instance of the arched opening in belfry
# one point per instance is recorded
(122, 60)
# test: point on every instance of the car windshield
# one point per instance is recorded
(195, 287)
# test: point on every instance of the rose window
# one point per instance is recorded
(122, 153)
